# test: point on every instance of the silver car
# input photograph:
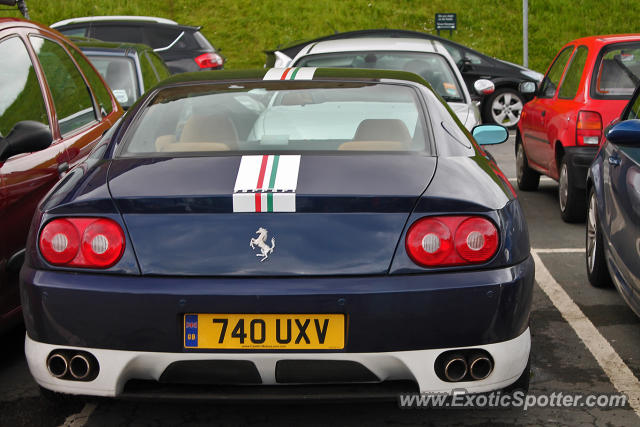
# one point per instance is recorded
(429, 59)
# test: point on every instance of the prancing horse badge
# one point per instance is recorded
(261, 243)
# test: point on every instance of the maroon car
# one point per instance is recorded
(54, 107)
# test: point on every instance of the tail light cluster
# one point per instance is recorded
(451, 240)
(209, 60)
(588, 128)
(82, 242)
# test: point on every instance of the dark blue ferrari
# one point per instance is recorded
(289, 233)
(613, 219)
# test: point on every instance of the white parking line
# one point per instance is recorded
(618, 372)
(559, 250)
(81, 418)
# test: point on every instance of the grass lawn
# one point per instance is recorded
(242, 29)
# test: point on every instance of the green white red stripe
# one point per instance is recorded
(291, 73)
(266, 183)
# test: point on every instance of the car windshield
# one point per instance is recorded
(618, 71)
(120, 74)
(432, 67)
(262, 117)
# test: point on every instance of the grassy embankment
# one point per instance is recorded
(244, 28)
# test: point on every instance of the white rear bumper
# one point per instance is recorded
(117, 366)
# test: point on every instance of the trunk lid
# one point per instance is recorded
(325, 215)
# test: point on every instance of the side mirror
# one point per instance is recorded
(26, 136)
(464, 64)
(527, 87)
(625, 133)
(490, 134)
(484, 87)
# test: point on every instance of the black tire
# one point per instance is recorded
(571, 199)
(597, 270)
(522, 383)
(528, 179)
(503, 107)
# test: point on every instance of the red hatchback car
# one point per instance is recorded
(54, 107)
(586, 87)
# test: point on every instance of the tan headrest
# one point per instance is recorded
(210, 129)
(382, 130)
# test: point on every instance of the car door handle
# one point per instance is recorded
(614, 160)
(544, 113)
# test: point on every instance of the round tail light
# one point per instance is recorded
(59, 242)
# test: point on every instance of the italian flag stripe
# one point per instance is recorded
(266, 183)
(291, 73)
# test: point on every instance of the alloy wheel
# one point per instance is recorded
(506, 108)
(592, 242)
(563, 191)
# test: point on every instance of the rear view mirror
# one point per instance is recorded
(26, 136)
(490, 134)
(527, 87)
(625, 133)
(484, 87)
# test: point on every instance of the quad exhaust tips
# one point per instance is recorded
(72, 365)
(464, 365)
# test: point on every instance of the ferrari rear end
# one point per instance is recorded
(289, 233)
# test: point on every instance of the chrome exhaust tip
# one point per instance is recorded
(480, 366)
(80, 367)
(57, 365)
(455, 368)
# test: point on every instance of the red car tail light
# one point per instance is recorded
(588, 128)
(82, 242)
(451, 240)
(209, 60)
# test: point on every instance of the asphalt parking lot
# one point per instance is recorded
(584, 341)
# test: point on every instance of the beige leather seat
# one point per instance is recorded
(202, 133)
(379, 135)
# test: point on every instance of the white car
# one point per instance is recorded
(427, 58)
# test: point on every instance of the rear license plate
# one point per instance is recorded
(264, 331)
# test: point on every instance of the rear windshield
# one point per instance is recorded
(120, 74)
(617, 71)
(432, 67)
(261, 117)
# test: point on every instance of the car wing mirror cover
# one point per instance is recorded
(625, 133)
(26, 136)
(484, 87)
(490, 134)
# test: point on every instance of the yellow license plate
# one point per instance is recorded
(264, 331)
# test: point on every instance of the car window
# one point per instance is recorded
(475, 59)
(279, 117)
(571, 82)
(118, 33)
(120, 74)
(202, 41)
(634, 110)
(552, 79)
(159, 37)
(149, 76)
(20, 93)
(618, 71)
(74, 32)
(71, 96)
(432, 67)
(455, 53)
(158, 65)
(99, 89)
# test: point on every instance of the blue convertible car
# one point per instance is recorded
(306, 232)
(613, 220)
